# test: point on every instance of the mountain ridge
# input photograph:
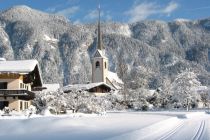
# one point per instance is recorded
(152, 52)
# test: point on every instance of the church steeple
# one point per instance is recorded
(100, 61)
(99, 45)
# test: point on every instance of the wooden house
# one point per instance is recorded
(18, 81)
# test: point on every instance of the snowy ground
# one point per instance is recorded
(112, 126)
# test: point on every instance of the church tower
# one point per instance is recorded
(100, 61)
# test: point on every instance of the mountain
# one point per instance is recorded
(147, 54)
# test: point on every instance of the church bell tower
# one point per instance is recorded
(100, 61)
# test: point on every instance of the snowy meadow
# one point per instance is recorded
(110, 126)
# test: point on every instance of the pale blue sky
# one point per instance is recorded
(84, 11)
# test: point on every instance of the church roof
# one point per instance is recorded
(114, 77)
(85, 87)
(114, 80)
(99, 53)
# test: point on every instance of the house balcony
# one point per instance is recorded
(20, 93)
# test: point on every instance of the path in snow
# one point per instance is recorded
(192, 126)
(113, 126)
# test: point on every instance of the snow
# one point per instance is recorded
(122, 29)
(76, 87)
(47, 38)
(2, 59)
(19, 66)
(116, 81)
(29, 47)
(113, 77)
(52, 47)
(110, 126)
(199, 88)
(5, 39)
(152, 92)
(174, 61)
(182, 20)
(125, 30)
(51, 87)
(163, 41)
(75, 69)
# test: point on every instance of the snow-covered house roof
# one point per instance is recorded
(85, 87)
(22, 67)
(19, 66)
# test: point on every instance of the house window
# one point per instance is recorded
(21, 85)
(97, 64)
(3, 85)
(26, 106)
(21, 105)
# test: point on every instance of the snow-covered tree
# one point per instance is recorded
(183, 91)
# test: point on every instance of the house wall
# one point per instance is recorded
(13, 81)
(15, 103)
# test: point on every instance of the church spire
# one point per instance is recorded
(100, 45)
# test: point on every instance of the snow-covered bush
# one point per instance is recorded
(77, 101)
(181, 93)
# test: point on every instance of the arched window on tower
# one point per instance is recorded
(105, 64)
(97, 64)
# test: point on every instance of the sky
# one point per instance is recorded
(127, 11)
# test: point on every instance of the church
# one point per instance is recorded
(103, 80)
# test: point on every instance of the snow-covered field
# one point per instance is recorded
(111, 126)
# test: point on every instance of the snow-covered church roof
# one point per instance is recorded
(77, 87)
(115, 81)
(114, 77)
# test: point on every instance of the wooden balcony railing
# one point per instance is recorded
(21, 94)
